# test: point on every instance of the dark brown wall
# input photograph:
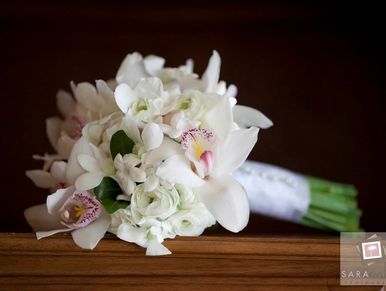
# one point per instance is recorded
(316, 71)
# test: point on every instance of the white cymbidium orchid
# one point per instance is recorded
(90, 103)
(215, 152)
(54, 178)
(70, 210)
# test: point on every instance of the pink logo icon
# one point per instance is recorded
(371, 250)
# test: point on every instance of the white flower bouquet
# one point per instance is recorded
(159, 152)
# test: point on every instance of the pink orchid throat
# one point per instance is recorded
(80, 209)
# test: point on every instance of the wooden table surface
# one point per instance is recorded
(205, 263)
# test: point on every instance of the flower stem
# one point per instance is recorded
(333, 206)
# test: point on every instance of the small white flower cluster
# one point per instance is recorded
(147, 156)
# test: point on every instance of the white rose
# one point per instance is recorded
(159, 203)
(191, 222)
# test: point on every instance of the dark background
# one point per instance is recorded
(318, 71)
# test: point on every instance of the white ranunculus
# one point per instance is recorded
(159, 203)
(191, 222)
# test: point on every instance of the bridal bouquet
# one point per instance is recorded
(157, 153)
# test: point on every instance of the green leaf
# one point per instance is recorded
(107, 193)
(121, 144)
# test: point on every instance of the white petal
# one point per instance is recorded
(40, 178)
(152, 136)
(58, 171)
(73, 169)
(176, 169)
(65, 145)
(232, 91)
(131, 70)
(131, 128)
(88, 237)
(124, 97)
(247, 116)
(235, 150)
(137, 175)
(88, 163)
(104, 90)
(43, 234)
(86, 94)
(219, 119)
(40, 220)
(167, 149)
(156, 249)
(151, 183)
(226, 200)
(153, 64)
(132, 234)
(53, 128)
(212, 73)
(88, 181)
(65, 103)
(57, 199)
(149, 88)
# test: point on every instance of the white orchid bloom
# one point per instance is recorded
(70, 210)
(90, 103)
(53, 179)
(215, 152)
(88, 165)
(146, 102)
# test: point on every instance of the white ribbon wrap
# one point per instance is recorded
(274, 191)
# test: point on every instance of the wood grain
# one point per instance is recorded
(208, 262)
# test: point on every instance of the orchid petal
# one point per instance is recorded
(225, 198)
(65, 103)
(212, 73)
(156, 249)
(88, 237)
(189, 64)
(40, 178)
(88, 163)
(65, 145)
(131, 70)
(131, 128)
(149, 88)
(57, 199)
(132, 234)
(232, 91)
(58, 170)
(53, 128)
(235, 150)
(152, 136)
(124, 97)
(167, 149)
(74, 170)
(176, 169)
(247, 116)
(219, 118)
(40, 220)
(43, 234)
(153, 64)
(88, 181)
(87, 96)
(104, 90)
